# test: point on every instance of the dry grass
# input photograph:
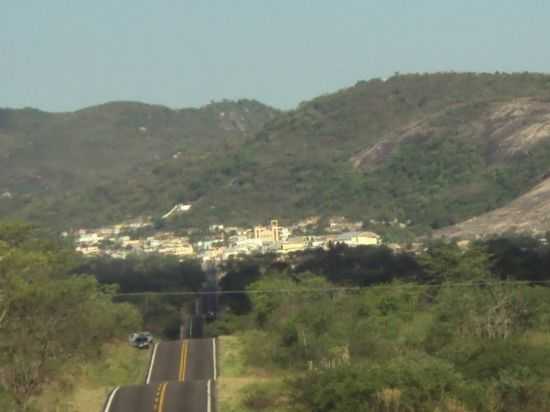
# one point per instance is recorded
(232, 363)
(535, 338)
(236, 376)
(84, 387)
(231, 392)
(389, 400)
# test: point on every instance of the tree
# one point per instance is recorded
(15, 233)
(48, 316)
(447, 262)
(299, 320)
(52, 321)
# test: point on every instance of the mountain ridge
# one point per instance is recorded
(425, 148)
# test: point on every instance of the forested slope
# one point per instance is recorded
(47, 156)
(431, 149)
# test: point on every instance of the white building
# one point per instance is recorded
(179, 208)
(89, 250)
(89, 238)
(359, 239)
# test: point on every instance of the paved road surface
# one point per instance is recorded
(187, 360)
(163, 397)
(179, 380)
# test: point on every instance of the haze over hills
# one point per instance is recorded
(430, 149)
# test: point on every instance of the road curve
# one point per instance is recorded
(179, 380)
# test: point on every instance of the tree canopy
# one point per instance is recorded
(47, 315)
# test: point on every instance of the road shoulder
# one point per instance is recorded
(238, 384)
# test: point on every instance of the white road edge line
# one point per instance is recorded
(111, 397)
(215, 372)
(153, 356)
(208, 396)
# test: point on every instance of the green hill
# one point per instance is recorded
(430, 148)
(47, 156)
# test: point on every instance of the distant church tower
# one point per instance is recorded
(275, 230)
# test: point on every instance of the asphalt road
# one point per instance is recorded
(187, 360)
(196, 328)
(180, 379)
(163, 397)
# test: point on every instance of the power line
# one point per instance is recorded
(407, 286)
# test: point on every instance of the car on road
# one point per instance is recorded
(140, 340)
(210, 316)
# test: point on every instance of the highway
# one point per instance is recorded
(180, 378)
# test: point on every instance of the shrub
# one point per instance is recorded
(263, 396)
(413, 382)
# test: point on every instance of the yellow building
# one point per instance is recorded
(176, 247)
(367, 238)
(293, 244)
(270, 233)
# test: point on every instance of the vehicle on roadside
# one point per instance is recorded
(140, 340)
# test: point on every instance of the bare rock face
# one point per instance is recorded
(514, 128)
(520, 124)
(510, 128)
(529, 214)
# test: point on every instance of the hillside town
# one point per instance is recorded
(220, 242)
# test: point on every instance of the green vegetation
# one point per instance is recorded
(144, 276)
(153, 273)
(84, 387)
(439, 153)
(88, 161)
(445, 171)
(454, 337)
(49, 318)
(242, 388)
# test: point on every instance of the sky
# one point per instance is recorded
(63, 55)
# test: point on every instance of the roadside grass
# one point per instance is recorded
(85, 387)
(537, 338)
(241, 388)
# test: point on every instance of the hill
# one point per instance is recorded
(45, 156)
(528, 214)
(442, 161)
(427, 149)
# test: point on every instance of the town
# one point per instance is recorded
(220, 242)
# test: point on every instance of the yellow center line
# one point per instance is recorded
(183, 360)
(161, 400)
(157, 398)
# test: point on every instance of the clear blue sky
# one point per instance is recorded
(62, 55)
